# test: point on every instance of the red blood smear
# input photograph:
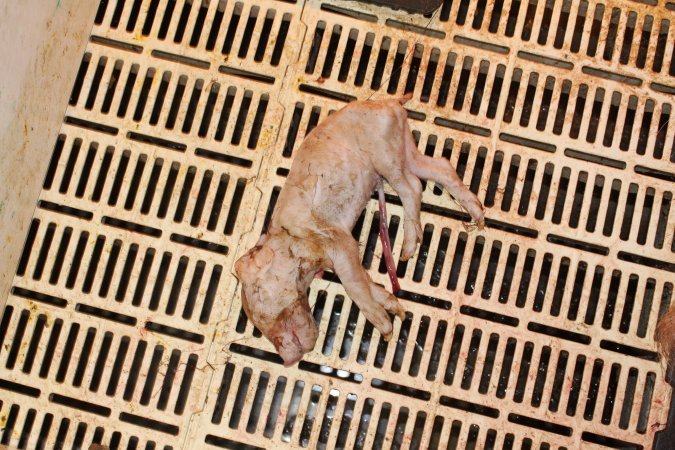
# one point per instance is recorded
(386, 244)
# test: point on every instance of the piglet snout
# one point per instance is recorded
(294, 332)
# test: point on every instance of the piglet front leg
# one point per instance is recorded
(373, 301)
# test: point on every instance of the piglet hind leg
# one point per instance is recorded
(372, 300)
(441, 171)
(409, 190)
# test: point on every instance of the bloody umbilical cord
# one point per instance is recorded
(384, 237)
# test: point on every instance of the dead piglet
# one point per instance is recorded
(334, 173)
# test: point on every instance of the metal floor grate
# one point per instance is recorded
(124, 325)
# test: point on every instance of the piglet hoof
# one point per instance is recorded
(396, 307)
(401, 313)
(392, 305)
(470, 226)
(409, 249)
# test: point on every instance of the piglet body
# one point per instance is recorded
(334, 174)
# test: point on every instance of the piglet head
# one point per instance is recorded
(274, 296)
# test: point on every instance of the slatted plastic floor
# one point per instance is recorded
(124, 325)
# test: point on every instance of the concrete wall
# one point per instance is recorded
(41, 43)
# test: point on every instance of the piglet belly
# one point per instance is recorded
(341, 196)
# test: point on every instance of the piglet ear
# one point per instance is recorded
(242, 267)
(254, 263)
